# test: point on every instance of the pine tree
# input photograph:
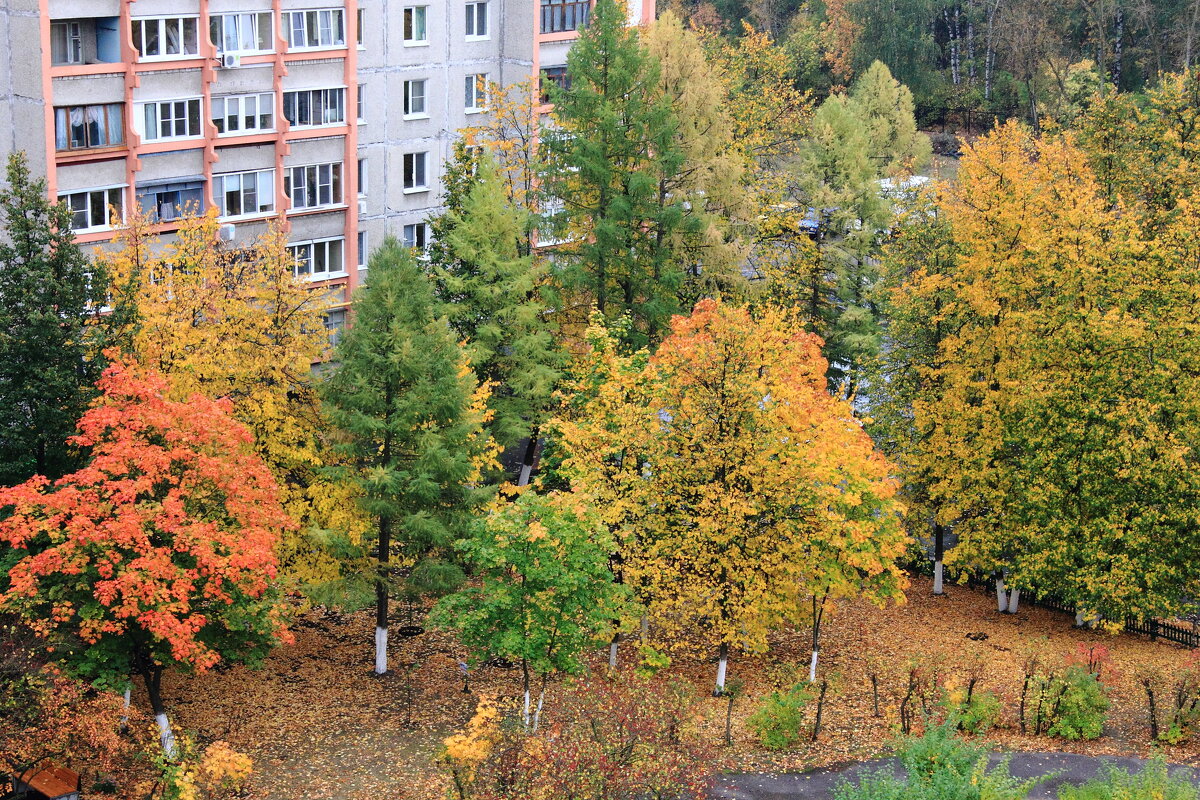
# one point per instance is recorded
(494, 299)
(48, 348)
(410, 415)
(615, 142)
(885, 107)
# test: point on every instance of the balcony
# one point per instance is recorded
(77, 42)
(89, 129)
(563, 16)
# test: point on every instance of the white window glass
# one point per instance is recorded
(335, 324)
(414, 172)
(477, 20)
(313, 107)
(313, 185)
(362, 249)
(417, 236)
(87, 127)
(244, 193)
(66, 43)
(166, 37)
(415, 30)
(171, 119)
(94, 209)
(362, 177)
(414, 98)
(241, 33)
(362, 103)
(311, 30)
(243, 113)
(475, 87)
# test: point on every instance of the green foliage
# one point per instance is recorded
(1070, 704)
(652, 662)
(1153, 781)
(885, 107)
(779, 719)
(976, 713)
(545, 593)
(49, 348)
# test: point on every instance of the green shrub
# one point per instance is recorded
(779, 719)
(975, 713)
(1153, 782)
(1079, 712)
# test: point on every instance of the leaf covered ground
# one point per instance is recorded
(319, 724)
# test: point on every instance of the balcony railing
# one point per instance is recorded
(564, 15)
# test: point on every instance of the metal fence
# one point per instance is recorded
(1155, 629)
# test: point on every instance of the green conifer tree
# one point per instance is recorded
(494, 299)
(49, 350)
(410, 416)
(885, 108)
(614, 142)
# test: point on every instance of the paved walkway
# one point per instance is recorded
(819, 784)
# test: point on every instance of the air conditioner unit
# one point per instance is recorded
(362, 206)
(226, 232)
(231, 60)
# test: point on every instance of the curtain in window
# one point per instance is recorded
(95, 127)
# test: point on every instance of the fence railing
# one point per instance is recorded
(963, 120)
(564, 15)
(1155, 629)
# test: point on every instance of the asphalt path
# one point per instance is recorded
(820, 784)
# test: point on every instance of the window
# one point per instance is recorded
(476, 93)
(94, 209)
(416, 236)
(362, 103)
(66, 43)
(564, 15)
(312, 107)
(362, 250)
(477, 20)
(313, 185)
(86, 127)
(166, 37)
(243, 113)
(415, 32)
(358, 28)
(557, 76)
(313, 30)
(362, 177)
(171, 119)
(415, 179)
(241, 33)
(245, 193)
(319, 259)
(414, 99)
(335, 324)
(168, 202)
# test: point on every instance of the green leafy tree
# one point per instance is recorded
(494, 299)
(885, 108)
(409, 415)
(546, 592)
(614, 144)
(49, 350)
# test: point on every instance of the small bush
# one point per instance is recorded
(975, 710)
(1070, 704)
(946, 144)
(779, 720)
(1154, 781)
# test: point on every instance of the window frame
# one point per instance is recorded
(107, 118)
(289, 28)
(475, 86)
(363, 249)
(141, 126)
(181, 207)
(73, 41)
(312, 244)
(408, 93)
(422, 246)
(424, 170)
(240, 99)
(64, 197)
(139, 41)
(256, 19)
(326, 105)
(473, 17)
(408, 24)
(336, 186)
(221, 192)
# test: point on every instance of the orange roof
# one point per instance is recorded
(52, 781)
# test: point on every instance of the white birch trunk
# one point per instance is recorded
(1014, 601)
(812, 667)
(937, 577)
(381, 640)
(526, 471)
(1001, 595)
(166, 735)
(537, 715)
(721, 667)
(125, 710)
(612, 653)
(1078, 619)
(525, 711)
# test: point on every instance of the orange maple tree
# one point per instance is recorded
(159, 552)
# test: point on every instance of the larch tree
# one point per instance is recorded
(49, 346)
(409, 420)
(738, 487)
(614, 140)
(545, 594)
(496, 300)
(236, 323)
(885, 108)
(159, 551)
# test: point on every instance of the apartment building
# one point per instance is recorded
(334, 117)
